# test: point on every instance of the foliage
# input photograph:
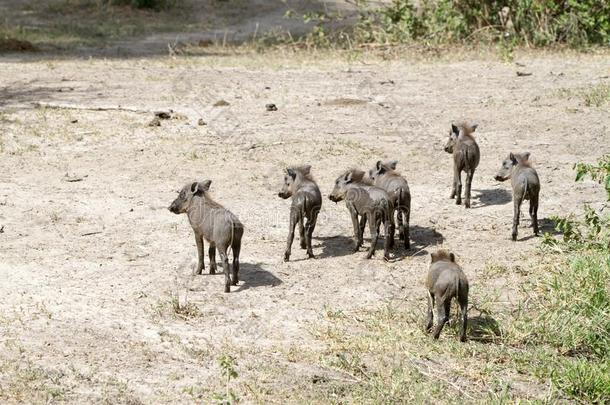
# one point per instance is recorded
(227, 366)
(529, 22)
(599, 172)
(572, 301)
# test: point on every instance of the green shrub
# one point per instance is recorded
(536, 22)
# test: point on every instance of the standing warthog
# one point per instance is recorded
(466, 158)
(214, 223)
(385, 176)
(370, 202)
(306, 203)
(445, 281)
(526, 186)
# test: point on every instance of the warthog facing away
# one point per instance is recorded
(384, 176)
(306, 204)
(214, 223)
(369, 202)
(466, 158)
(445, 281)
(526, 186)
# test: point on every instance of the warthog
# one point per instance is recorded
(445, 281)
(385, 176)
(526, 186)
(214, 223)
(466, 158)
(368, 201)
(306, 204)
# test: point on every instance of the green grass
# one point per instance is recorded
(597, 95)
(552, 346)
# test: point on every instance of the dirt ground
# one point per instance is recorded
(91, 259)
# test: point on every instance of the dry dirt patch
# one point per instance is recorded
(92, 270)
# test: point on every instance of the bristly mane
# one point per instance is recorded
(389, 171)
(466, 129)
(208, 200)
(443, 254)
(307, 176)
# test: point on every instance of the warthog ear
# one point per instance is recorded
(306, 169)
(357, 175)
(199, 187)
(291, 173)
(473, 127)
(512, 158)
(452, 257)
(526, 155)
(455, 129)
(432, 257)
(348, 177)
(392, 164)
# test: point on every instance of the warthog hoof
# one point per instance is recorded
(310, 255)
(234, 282)
(467, 204)
(458, 202)
(303, 245)
(514, 237)
(198, 271)
(286, 256)
(227, 289)
(213, 270)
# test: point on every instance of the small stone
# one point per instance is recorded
(201, 122)
(156, 122)
(221, 103)
(271, 107)
(164, 115)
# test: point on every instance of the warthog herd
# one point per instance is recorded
(375, 197)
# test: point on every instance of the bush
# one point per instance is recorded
(536, 22)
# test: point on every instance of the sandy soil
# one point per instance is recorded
(90, 257)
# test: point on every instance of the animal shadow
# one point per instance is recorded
(423, 237)
(335, 246)
(493, 196)
(483, 328)
(547, 225)
(253, 275)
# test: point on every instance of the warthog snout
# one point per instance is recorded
(174, 208)
(284, 195)
(334, 198)
(499, 178)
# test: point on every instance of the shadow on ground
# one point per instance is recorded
(253, 275)
(547, 225)
(483, 328)
(335, 246)
(493, 196)
(250, 276)
(423, 237)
